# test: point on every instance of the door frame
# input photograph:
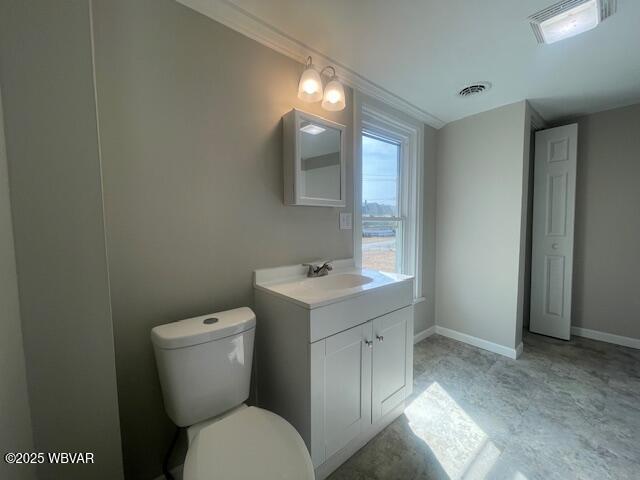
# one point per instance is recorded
(533, 123)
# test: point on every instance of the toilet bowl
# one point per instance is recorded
(204, 365)
(250, 443)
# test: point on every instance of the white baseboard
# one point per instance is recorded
(606, 337)
(519, 350)
(427, 332)
(480, 343)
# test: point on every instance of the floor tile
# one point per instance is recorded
(563, 410)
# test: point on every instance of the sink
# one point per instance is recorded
(345, 281)
(339, 281)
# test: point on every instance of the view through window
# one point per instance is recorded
(382, 220)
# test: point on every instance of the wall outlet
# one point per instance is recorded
(346, 221)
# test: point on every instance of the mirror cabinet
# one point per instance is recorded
(314, 160)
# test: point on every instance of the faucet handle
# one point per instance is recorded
(319, 264)
(317, 269)
(311, 268)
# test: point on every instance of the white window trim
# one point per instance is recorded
(372, 116)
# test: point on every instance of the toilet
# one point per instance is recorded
(204, 364)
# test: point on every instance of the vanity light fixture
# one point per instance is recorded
(310, 88)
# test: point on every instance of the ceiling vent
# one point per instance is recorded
(569, 17)
(474, 89)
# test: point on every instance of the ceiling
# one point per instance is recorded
(424, 51)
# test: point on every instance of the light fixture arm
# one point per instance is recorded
(328, 67)
(309, 62)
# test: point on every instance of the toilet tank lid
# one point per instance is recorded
(203, 329)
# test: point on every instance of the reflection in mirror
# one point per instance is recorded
(320, 160)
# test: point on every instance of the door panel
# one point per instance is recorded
(392, 373)
(346, 369)
(553, 218)
(554, 285)
(557, 204)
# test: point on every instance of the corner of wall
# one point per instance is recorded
(16, 432)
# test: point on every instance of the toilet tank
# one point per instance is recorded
(204, 364)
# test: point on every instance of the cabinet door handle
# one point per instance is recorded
(369, 343)
(380, 338)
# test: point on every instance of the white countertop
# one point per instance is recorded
(291, 283)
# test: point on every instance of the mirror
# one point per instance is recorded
(320, 160)
(314, 160)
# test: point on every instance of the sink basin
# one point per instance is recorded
(344, 282)
(338, 281)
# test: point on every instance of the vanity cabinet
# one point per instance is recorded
(338, 372)
(357, 377)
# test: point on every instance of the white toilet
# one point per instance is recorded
(204, 365)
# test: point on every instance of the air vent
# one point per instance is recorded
(474, 89)
(569, 17)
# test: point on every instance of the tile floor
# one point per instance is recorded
(564, 410)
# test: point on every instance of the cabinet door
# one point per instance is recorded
(341, 390)
(392, 360)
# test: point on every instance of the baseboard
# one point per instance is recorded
(606, 337)
(480, 343)
(519, 350)
(427, 332)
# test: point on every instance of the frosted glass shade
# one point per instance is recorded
(333, 96)
(310, 86)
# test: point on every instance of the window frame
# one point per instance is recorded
(371, 116)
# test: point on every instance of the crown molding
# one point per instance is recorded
(238, 19)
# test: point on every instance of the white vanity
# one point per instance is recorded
(334, 354)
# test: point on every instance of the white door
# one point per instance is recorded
(341, 390)
(553, 217)
(392, 361)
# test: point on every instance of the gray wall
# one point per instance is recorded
(480, 168)
(52, 150)
(15, 420)
(606, 280)
(190, 115)
(425, 311)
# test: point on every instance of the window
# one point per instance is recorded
(388, 190)
(382, 220)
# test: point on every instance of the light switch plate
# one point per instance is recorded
(346, 221)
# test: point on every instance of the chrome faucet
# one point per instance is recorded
(317, 270)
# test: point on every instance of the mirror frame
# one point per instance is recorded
(293, 161)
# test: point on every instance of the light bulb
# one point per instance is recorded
(333, 96)
(310, 86)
